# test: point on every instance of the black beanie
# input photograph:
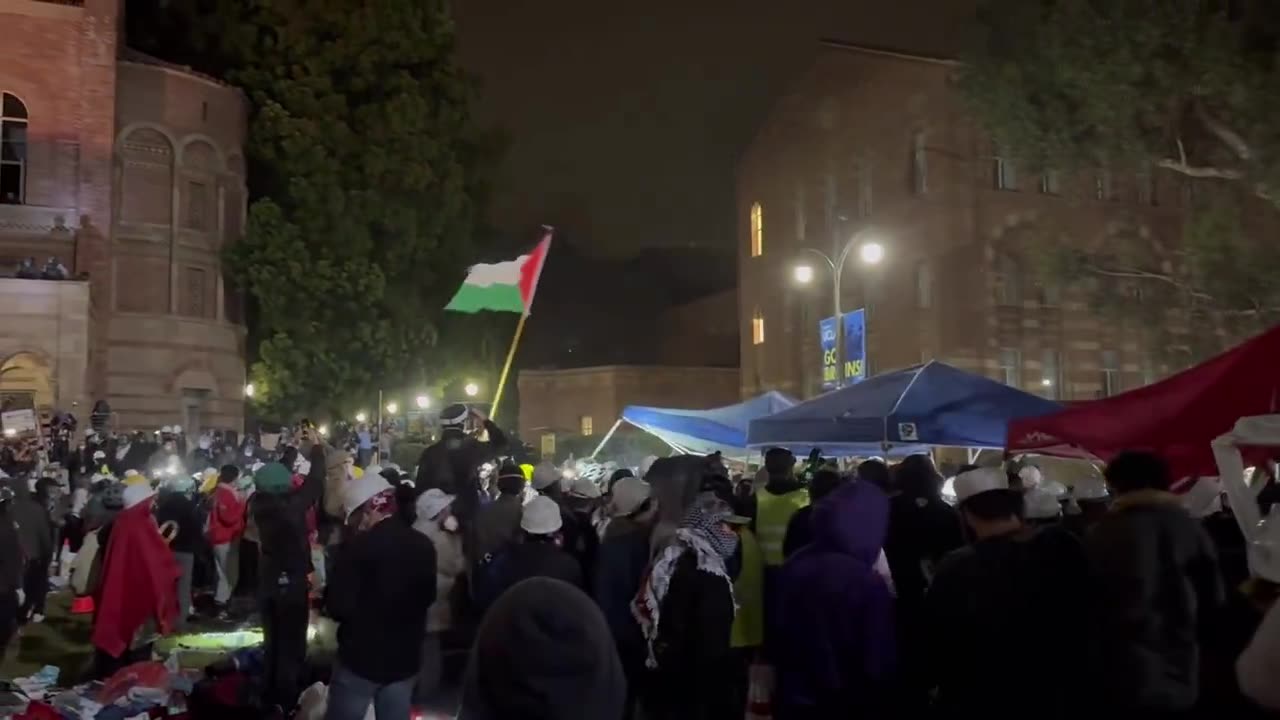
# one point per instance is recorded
(544, 652)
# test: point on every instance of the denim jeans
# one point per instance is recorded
(350, 696)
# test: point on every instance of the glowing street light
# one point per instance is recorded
(323, 430)
(249, 390)
(1046, 382)
(803, 274)
(361, 417)
(471, 389)
(423, 402)
(392, 407)
(871, 253)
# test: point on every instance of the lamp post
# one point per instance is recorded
(869, 253)
(471, 389)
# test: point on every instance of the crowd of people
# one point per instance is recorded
(675, 590)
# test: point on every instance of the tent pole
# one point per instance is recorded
(607, 435)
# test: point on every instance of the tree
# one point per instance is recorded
(1176, 91)
(366, 168)
(1186, 86)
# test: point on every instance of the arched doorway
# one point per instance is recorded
(26, 383)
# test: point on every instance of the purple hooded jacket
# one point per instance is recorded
(834, 615)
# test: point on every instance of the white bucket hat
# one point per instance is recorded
(358, 491)
(628, 495)
(432, 502)
(979, 480)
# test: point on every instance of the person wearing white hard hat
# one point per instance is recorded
(381, 589)
(174, 504)
(1155, 581)
(577, 537)
(434, 520)
(538, 553)
(620, 564)
(988, 600)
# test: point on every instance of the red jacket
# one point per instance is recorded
(226, 517)
(140, 581)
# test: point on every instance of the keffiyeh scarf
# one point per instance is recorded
(698, 533)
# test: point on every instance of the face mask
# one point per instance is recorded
(450, 524)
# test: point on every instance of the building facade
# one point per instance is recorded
(876, 146)
(586, 402)
(130, 172)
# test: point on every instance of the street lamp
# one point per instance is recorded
(323, 430)
(249, 390)
(869, 253)
(471, 389)
(1046, 382)
(392, 407)
(423, 402)
(361, 417)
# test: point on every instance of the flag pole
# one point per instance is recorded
(506, 366)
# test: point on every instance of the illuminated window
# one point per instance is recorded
(13, 150)
(1049, 184)
(585, 423)
(757, 230)
(1051, 375)
(1102, 187)
(757, 328)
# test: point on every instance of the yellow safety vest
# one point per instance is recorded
(748, 590)
(773, 513)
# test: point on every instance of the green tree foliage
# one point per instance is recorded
(1182, 89)
(366, 166)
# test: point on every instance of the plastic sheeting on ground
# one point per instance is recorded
(901, 412)
(722, 429)
(1177, 418)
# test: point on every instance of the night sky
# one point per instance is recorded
(625, 120)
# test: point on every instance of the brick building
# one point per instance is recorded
(877, 144)
(130, 172)
(585, 402)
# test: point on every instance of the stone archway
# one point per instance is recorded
(27, 382)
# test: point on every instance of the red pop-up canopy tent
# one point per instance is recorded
(1177, 417)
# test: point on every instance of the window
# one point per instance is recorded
(1011, 367)
(801, 219)
(1049, 184)
(1148, 369)
(1008, 291)
(1004, 172)
(1051, 375)
(757, 328)
(197, 215)
(757, 230)
(1102, 187)
(197, 291)
(13, 150)
(919, 164)
(865, 198)
(584, 424)
(1110, 373)
(924, 286)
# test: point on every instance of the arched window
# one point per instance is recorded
(924, 285)
(757, 230)
(13, 150)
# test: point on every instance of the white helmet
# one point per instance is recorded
(1264, 548)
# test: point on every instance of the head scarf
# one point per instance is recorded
(701, 532)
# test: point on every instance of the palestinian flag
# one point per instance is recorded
(503, 287)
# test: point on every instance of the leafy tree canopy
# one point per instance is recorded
(1184, 85)
(366, 169)
(1184, 89)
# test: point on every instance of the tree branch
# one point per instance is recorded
(1229, 137)
(1199, 171)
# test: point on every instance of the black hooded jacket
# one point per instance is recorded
(544, 652)
(451, 464)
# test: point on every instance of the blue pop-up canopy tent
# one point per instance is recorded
(722, 429)
(933, 404)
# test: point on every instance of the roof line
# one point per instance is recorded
(888, 52)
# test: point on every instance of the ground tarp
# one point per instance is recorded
(1177, 417)
(722, 429)
(909, 410)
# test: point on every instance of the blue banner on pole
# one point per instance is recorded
(828, 332)
(855, 346)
